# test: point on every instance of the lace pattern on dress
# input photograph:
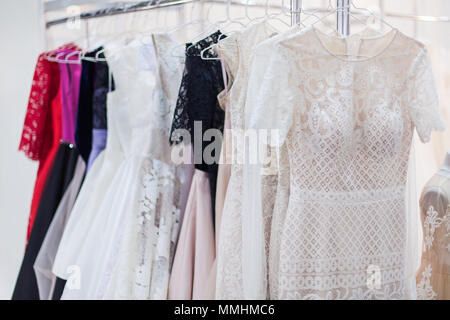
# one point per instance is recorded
(237, 52)
(144, 265)
(348, 128)
(431, 224)
(36, 135)
(201, 83)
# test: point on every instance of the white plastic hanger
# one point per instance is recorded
(352, 15)
(276, 16)
(372, 14)
(124, 34)
(333, 11)
(54, 55)
(209, 26)
(229, 22)
(266, 17)
(78, 53)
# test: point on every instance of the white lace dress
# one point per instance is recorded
(125, 248)
(345, 112)
(141, 266)
(237, 53)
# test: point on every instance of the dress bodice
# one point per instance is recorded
(144, 95)
(349, 124)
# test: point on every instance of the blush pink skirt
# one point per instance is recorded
(195, 253)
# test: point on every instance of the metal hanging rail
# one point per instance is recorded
(296, 8)
(121, 8)
(343, 14)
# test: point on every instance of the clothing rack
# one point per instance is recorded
(342, 9)
(343, 21)
(121, 8)
(343, 6)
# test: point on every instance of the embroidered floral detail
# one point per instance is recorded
(156, 227)
(432, 221)
(447, 227)
(424, 288)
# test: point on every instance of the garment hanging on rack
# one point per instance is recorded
(42, 123)
(117, 247)
(144, 259)
(433, 277)
(96, 77)
(58, 180)
(50, 287)
(83, 129)
(70, 86)
(237, 53)
(198, 105)
(61, 172)
(317, 225)
(274, 219)
(347, 125)
(91, 127)
(102, 169)
(223, 177)
(99, 121)
(240, 66)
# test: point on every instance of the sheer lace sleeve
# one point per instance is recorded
(181, 116)
(260, 179)
(36, 124)
(273, 105)
(228, 51)
(422, 97)
(433, 276)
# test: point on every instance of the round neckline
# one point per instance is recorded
(387, 47)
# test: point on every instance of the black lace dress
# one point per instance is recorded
(197, 102)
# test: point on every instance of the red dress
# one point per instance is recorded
(42, 126)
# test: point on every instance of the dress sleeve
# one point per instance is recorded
(228, 51)
(266, 108)
(422, 97)
(35, 123)
(271, 108)
(181, 119)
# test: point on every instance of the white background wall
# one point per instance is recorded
(22, 39)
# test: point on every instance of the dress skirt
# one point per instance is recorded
(195, 251)
(58, 180)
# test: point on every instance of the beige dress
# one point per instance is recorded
(237, 52)
(433, 278)
(223, 177)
